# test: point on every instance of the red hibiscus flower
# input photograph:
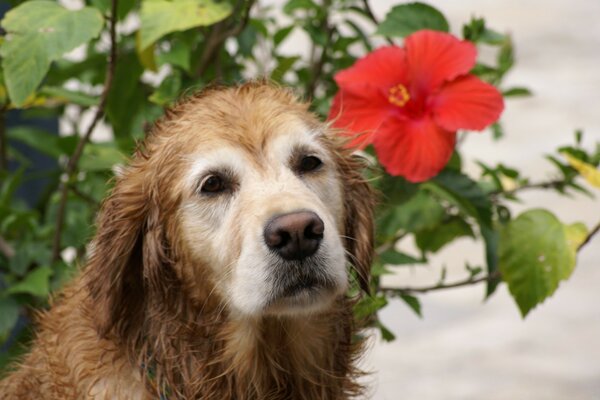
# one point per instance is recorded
(409, 102)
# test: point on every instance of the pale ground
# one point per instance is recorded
(464, 349)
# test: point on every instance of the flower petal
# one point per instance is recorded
(384, 67)
(415, 149)
(359, 112)
(435, 57)
(467, 103)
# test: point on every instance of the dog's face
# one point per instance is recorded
(248, 198)
(267, 219)
(262, 208)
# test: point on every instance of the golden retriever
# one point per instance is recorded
(220, 265)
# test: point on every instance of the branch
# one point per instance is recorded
(552, 184)
(84, 196)
(219, 33)
(441, 286)
(379, 250)
(373, 18)
(589, 237)
(471, 280)
(71, 167)
(6, 248)
(317, 68)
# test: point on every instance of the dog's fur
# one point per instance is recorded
(177, 297)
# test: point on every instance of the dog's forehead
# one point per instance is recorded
(249, 117)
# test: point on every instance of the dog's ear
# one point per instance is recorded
(359, 201)
(127, 245)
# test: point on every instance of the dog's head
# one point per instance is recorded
(239, 194)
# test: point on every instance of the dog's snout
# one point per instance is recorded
(296, 235)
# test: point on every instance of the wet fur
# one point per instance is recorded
(132, 326)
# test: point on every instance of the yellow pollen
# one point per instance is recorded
(398, 95)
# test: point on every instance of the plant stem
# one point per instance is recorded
(319, 63)
(441, 286)
(219, 33)
(589, 237)
(71, 167)
(552, 184)
(373, 18)
(471, 280)
(6, 248)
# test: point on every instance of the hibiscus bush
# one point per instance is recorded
(79, 86)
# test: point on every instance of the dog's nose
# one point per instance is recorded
(296, 235)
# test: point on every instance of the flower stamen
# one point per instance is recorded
(398, 95)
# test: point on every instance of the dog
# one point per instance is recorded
(221, 264)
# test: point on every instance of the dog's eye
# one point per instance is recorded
(309, 163)
(212, 184)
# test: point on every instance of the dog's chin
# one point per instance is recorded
(307, 296)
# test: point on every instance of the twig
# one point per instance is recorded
(317, 66)
(441, 286)
(6, 248)
(84, 196)
(373, 18)
(74, 160)
(589, 237)
(471, 280)
(389, 244)
(219, 33)
(552, 184)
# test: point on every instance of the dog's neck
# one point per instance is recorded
(212, 355)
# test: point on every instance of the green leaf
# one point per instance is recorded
(386, 334)
(537, 252)
(293, 5)
(168, 90)
(42, 141)
(464, 193)
(69, 96)
(281, 34)
(413, 303)
(9, 314)
(394, 257)
(369, 305)
(405, 19)
(125, 103)
(506, 57)
(491, 238)
(395, 189)
(422, 211)
(145, 54)
(160, 17)
(178, 54)
(517, 92)
(40, 32)
(283, 65)
(100, 157)
(35, 283)
(434, 239)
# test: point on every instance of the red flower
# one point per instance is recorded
(409, 102)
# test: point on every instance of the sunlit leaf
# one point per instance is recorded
(587, 171)
(40, 32)
(159, 17)
(405, 19)
(35, 283)
(537, 252)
